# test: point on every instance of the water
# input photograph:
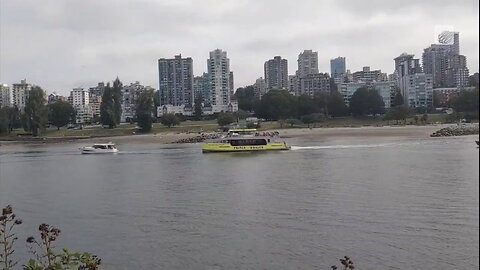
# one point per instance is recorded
(388, 203)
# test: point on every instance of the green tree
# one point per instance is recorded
(107, 111)
(225, 119)
(277, 104)
(466, 102)
(399, 113)
(246, 98)
(292, 122)
(398, 98)
(36, 114)
(117, 99)
(305, 105)
(321, 102)
(197, 108)
(61, 113)
(144, 110)
(4, 120)
(336, 105)
(366, 101)
(169, 120)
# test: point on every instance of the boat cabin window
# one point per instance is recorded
(99, 147)
(248, 142)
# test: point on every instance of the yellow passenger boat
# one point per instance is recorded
(238, 140)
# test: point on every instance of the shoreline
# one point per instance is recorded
(313, 133)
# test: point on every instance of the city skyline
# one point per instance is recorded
(76, 46)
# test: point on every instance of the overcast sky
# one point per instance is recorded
(64, 44)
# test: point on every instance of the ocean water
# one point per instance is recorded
(388, 203)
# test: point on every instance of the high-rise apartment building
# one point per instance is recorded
(20, 93)
(338, 67)
(4, 95)
(260, 88)
(314, 84)
(130, 94)
(80, 100)
(276, 73)
(307, 63)
(97, 90)
(415, 86)
(218, 66)
(444, 62)
(176, 81)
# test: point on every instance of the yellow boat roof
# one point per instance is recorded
(242, 130)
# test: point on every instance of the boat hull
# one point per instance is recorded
(99, 151)
(226, 147)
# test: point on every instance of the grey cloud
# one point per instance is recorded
(66, 44)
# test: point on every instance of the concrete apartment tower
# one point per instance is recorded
(176, 81)
(20, 93)
(4, 95)
(444, 62)
(415, 86)
(276, 74)
(307, 63)
(218, 66)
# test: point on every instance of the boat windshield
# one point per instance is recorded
(103, 146)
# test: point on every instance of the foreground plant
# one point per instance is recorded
(46, 258)
(44, 250)
(346, 262)
(8, 221)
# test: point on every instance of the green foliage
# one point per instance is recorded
(197, 109)
(10, 118)
(277, 104)
(397, 99)
(61, 113)
(399, 113)
(169, 120)
(313, 118)
(321, 101)
(224, 119)
(36, 114)
(292, 122)
(46, 258)
(246, 98)
(117, 99)
(4, 120)
(336, 105)
(107, 112)
(240, 114)
(366, 101)
(466, 102)
(144, 110)
(306, 105)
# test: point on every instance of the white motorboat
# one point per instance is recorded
(99, 148)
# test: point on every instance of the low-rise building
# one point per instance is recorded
(444, 95)
(384, 88)
(188, 111)
(316, 83)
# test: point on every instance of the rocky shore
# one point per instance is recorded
(199, 138)
(458, 130)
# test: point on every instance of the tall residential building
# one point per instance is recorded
(20, 93)
(260, 88)
(80, 100)
(97, 90)
(338, 67)
(218, 66)
(415, 86)
(4, 95)
(307, 63)
(276, 74)
(314, 84)
(130, 94)
(294, 85)
(176, 81)
(367, 75)
(231, 85)
(444, 62)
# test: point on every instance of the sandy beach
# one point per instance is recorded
(314, 133)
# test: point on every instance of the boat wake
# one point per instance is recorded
(341, 146)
